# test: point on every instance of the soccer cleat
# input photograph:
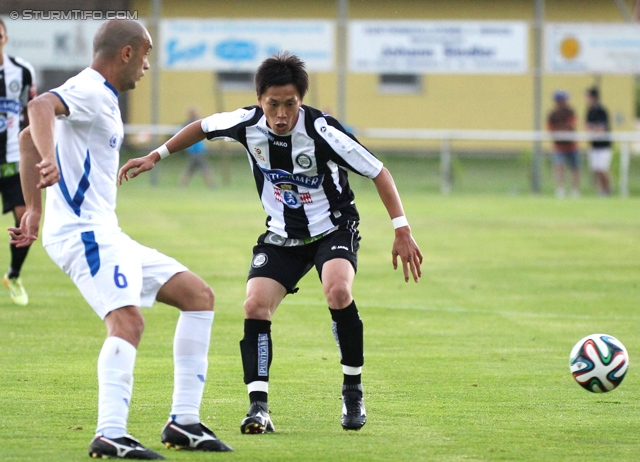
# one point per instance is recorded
(354, 415)
(16, 290)
(257, 420)
(194, 437)
(126, 447)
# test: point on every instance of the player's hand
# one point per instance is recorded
(27, 233)
(49, 173)
(406, 248)
(138, 166)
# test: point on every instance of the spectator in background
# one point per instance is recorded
(563, 119)
(196, 155)
(597, 122)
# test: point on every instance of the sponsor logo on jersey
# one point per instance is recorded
(304, 161)
(339, 247)
(10, 105)
(266, 133)
(259, 260)
(280, 143)
(258, 153)
(279, 177)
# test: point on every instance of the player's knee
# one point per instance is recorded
(256, 308)
(208, 298)
(338, 295)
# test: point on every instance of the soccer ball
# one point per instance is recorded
(599, 362)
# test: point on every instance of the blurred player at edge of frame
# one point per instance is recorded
(17, 88)
(72, 149)
(299, 157)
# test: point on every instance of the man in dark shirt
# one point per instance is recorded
(597, 122)
(562, 119)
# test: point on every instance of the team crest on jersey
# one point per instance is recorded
(259, 260)
(113, 142)
(14, 86)
(304, 161)
(292, 199)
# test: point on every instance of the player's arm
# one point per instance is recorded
(38, 166)
(188, 136)
(42, 116)
(404, 246)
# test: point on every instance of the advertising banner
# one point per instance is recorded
(241, 45)
(445, 47)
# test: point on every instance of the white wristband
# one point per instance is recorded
(163, 151)
(399, 222)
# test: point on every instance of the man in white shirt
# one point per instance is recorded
(72, 149)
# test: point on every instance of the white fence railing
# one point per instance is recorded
(624, 139)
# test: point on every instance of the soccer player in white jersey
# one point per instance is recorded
(72, 149)
(299, 157)
(17, 88)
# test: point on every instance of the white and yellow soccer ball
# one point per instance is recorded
(599, 362)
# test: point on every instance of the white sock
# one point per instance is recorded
(190, 356)
(115, 383)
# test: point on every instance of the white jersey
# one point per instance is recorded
(17, 88)
(87, 151)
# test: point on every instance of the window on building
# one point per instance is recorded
(236, 81)
(400, 83)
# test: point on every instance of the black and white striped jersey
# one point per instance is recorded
(17, 87)
(301, 177)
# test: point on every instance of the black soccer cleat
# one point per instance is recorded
(257, 420)
(126, 447)
(354, 415)
(194, 437)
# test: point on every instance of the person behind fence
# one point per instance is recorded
(17, 88)
(72, 148)
(600, 154)
(299, 159)
(197, 161)
(562, 118)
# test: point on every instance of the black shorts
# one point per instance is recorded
(11, 193)
(288, 265)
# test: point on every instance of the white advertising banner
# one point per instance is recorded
(444, 47)
(52, 44)
(592, 48)
(242, 44)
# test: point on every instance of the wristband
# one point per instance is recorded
(399, 222)
(163, 151)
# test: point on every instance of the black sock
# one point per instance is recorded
(256, 349)
(18, 256)
(348, 332)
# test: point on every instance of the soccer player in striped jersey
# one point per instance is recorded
(72, 149)
(299, 158)
(17, 88)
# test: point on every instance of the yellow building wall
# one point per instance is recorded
(501, 102)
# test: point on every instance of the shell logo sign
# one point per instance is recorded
(569, 48)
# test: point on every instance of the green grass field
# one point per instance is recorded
(471, 363)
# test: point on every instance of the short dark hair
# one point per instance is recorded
(594, 92)
(283, 68)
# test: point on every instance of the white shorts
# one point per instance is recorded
(600, 159)
(112, 270)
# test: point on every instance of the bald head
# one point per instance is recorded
(116, 34)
